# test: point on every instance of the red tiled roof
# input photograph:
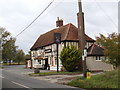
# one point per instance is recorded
(68, 32)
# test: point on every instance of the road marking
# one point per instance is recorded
(2, 77)
(20, 84)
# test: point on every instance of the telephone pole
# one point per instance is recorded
(81, 35)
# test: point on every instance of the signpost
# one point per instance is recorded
(48, 50)
(57, 39)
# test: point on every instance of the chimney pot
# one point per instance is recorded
(58, 18)
(59, 22)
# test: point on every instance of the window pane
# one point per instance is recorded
(55, 60)
(99, 57)
(96, 58)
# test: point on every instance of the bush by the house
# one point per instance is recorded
(70, 57)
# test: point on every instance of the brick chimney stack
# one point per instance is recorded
(59, 22)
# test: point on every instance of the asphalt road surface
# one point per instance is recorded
(15, 77)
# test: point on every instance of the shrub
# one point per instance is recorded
(70, 58)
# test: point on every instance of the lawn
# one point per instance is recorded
(105, 80)
(54, 73)
(14, 63)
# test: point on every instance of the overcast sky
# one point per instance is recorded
(15, 15)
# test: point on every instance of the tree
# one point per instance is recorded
(28, 55)
(8, 47)
(70, 57)
(112, 47)
(1, 31)
(20, 56)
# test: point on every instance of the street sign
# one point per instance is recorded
(48, 50)
(57, 40)
(83, 58)
(85, 52)
(57, 37)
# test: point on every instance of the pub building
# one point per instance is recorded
(44, 52)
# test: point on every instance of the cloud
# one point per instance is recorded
(17, 14)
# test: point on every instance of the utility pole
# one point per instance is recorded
(81, 35)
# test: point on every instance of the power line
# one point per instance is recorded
(60, 2)
(106, 14)
(34, 19)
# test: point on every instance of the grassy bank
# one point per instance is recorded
(105, 80)
(54, 73)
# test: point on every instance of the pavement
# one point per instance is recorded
(17, 77)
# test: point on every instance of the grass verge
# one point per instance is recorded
(54, 73)
(105, 80)
(1, 67)
(13, 63)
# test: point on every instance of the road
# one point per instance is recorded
(16, 77)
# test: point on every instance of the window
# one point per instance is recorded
(60, 62)
(39, 61)
(98, 58)
(50, 60)
(55, 60)
(105, 57)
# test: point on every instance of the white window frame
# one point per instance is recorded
(98, 58)
(55, 61)
(40, 61)
(50, 60)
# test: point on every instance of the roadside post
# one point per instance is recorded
(36, 69)
(57, 39)
(84, 62)
(88, 74)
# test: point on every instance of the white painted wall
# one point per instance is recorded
(51, 59)
(91, 61)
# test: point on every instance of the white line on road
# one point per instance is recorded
(2, 77)
(20, 84)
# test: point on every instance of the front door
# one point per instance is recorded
(46, 63)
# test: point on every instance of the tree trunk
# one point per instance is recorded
(9, 62)
(18, 62)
